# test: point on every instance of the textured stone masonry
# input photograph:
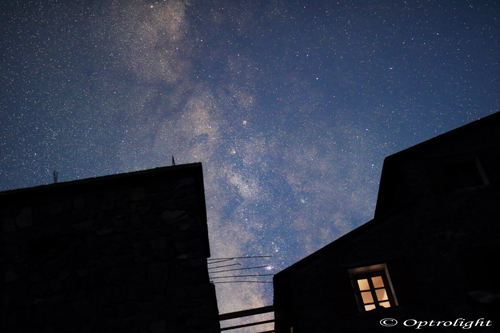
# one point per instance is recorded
(122, 253)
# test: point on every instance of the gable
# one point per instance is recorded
(466, 157)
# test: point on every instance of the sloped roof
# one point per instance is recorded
(194, 170)
(174, 170)
(346, 238)
(387, 184)
(388, 180)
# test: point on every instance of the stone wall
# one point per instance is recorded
(123, 253)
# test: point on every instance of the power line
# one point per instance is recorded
(223, 260)
(239, 269)
(242, 282)
(231, 276)
(218, 261)
(238, 264)
(231, 258)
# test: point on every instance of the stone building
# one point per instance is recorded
(120, 253)
(428, 258)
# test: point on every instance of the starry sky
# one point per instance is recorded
(291, 106)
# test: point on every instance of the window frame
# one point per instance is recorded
(367, 272)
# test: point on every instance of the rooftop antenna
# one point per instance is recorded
(173, 160)
(55, 174)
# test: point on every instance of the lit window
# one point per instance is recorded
(373, 287)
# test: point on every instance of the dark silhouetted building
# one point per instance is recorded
(120, 253)
(429, 257)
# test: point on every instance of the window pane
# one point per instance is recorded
(381, 294)
(363, 284)
(369, 307)
(385, 304)
(378, 282)
(367, 297)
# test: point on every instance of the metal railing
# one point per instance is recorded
(246, 313)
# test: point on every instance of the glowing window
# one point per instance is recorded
(373, 287)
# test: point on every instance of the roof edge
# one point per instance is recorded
(100, 178)
(389, 161)
(447, 135)
(341, 240)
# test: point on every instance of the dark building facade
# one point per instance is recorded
(429, 259)
(120, 253)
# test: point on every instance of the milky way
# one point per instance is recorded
(290, 106)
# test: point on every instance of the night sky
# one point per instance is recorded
(291, 106)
